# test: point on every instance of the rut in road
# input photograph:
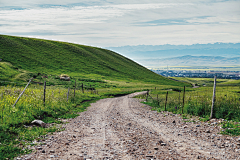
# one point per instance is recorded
(121, 128)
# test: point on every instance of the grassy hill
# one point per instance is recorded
(231, 82)
(53, 57)
(108, 72)
(99, 73)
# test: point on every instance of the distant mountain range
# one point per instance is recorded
(189, 60)
(197, 54)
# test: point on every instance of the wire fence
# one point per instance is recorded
(195, 101)
(41, 99)
(198, 101)
(44, 93)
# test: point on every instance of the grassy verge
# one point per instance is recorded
(231, 128)
(16, 138)
(15, 135)
(198, 101)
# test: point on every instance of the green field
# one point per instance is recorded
(205, 81)
(231, 82)
(198, 101)
(98, 73)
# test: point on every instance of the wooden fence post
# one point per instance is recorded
(179, 98)
(157, 100)
(68, 93)
(44, 93)
(22, 92)
(75, 87)
(147, 95)
(213, 98)
(166, 101)
(82, 88)
(183, 98)
(197, 97)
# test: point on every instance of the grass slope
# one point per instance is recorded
(93, 68)
(9, 73)
(231, 82)
(52, 57)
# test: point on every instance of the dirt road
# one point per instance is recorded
(124, 128)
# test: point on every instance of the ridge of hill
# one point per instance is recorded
(53, 57)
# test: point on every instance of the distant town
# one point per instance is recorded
(199, 73)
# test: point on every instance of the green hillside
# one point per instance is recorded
(204, 81)
(95, 74)
(231, 82)
(53, 57)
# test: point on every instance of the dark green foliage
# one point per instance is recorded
(200, 110)
(228, 113)
(10, 151)
(12, 141)
(231, 128)
(8, 133)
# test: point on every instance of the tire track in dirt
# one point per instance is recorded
(121, 128)
(185, 146)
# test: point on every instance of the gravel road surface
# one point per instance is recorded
(123, 128)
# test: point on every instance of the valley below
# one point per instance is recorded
(124, 128)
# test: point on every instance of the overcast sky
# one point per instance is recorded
(106, 23)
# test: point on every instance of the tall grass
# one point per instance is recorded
(198, 101)
(14, 136)
(30, 107)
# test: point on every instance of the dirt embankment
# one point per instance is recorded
(123, 128)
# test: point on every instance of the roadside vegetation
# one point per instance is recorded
(198, 102)
(16, 131)
(94, 74)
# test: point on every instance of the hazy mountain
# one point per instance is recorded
(168, 51)
(189, 60)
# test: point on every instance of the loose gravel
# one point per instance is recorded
(123, 128)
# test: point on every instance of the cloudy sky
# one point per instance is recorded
(106, 23)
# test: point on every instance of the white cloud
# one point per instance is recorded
(141, 22)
